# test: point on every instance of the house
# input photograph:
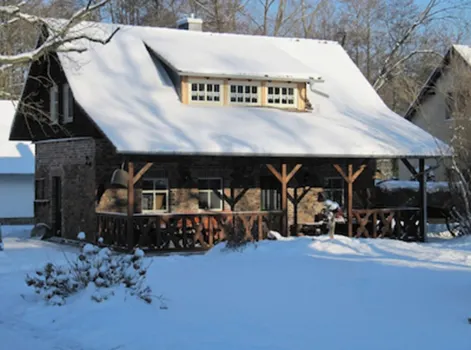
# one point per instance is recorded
(16, 172)
(434, 107)
(173, 133)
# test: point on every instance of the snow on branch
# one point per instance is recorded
(59, 31)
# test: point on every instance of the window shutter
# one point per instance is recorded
(53, 103)
(67, 104)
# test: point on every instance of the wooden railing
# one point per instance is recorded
(399, 223)
(184, 231)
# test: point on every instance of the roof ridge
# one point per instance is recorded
(193, 32)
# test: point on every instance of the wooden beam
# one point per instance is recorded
(293, 172)
(142, 172)
(298, 199)
(240, 195)
(350, 200)
(422, 200)
(358, 172)
(274, 172)
(284, 200)
(409, 166)
(130, 226)
(341, 172)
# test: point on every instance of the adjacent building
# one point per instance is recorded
(16, 172)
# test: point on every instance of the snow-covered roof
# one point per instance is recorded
(464, 51)
(15, 157)
(128, 94)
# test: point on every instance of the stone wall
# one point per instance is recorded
(73, 162)
(387, 168)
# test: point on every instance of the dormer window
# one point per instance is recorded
(244, 93)
(236, 92)
(282, 95)
(206, 92)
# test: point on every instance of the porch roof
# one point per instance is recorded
(125, 89)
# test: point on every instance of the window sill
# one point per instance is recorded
(156, 212)
(203, 211)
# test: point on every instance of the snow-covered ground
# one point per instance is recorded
(295, 294)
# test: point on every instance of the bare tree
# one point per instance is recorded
(403, 47)
(59, 32)
(455, 92)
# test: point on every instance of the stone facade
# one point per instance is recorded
(388, 168)
(85, 167)
(72, 161)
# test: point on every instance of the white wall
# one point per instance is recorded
(431, 116)
(16, 196)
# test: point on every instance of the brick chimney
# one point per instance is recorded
(190, 23)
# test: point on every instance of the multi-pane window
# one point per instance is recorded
(154, 194)
(270, 193)
(334, 189)
(244, 94)
(210, 194)
(281, 95)
(205, 92)
(54, 103)
(67, 104)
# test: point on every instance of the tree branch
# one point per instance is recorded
(59, 32)
(381, 80)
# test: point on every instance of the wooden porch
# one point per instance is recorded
(183, 231)
(201, 230)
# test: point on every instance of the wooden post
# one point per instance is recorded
(130, 226)
(350, 178)
(422, 200)
(350, 200)
(295, 205)
(284, 201)
(284, 178)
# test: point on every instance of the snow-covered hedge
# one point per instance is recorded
(94, 267)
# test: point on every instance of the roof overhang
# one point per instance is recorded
(285, 156)
(219, 75)
(265, 77)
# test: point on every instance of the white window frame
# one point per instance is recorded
(251, 84)
(154, 192)
(331, 190)
(206, 82)
(281, 85)
(54, 103)
(67, 104)
(209, 191)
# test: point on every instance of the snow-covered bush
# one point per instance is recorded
(94, 267)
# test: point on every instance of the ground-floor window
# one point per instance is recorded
(270, 193)
(334, 189)
(210, 194)
(154, 194)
